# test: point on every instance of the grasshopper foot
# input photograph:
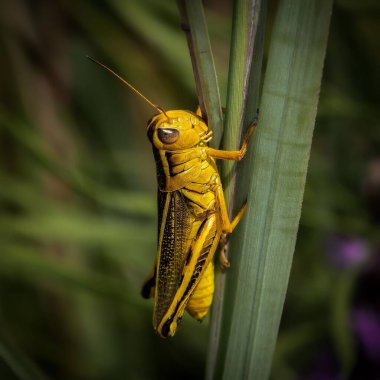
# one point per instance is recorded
(222, 257)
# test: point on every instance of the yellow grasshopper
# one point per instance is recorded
(192, 214)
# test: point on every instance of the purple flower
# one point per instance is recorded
(347, 252)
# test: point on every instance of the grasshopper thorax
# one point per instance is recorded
(177, 130)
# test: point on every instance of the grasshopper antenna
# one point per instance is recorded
(159, 109)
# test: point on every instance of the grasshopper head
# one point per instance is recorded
(180, 130)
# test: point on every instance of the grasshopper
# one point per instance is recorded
(192, 214)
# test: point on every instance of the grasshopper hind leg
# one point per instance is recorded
(224, 237)
(200, 264)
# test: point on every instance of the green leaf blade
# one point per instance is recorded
(195, 26)
(265, 241)
(242, 102)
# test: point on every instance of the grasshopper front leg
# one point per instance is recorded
(227, 225)
(235, 155)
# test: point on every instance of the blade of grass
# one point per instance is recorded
(194, 24)
(256, 287)
(243, 88)
(244, 28)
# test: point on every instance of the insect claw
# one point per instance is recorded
(224, 263)
(207, 137)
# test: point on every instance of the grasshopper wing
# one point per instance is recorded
(185, 249)
(174, 230)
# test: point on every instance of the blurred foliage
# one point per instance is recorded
(77, 192)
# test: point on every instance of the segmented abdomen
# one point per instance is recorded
(201, 299)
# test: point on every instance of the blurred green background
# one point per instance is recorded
(77, 194)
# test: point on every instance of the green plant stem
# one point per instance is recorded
(242, 99)
(265, 240)
(194, 24)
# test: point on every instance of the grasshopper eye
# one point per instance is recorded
(168, 135)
